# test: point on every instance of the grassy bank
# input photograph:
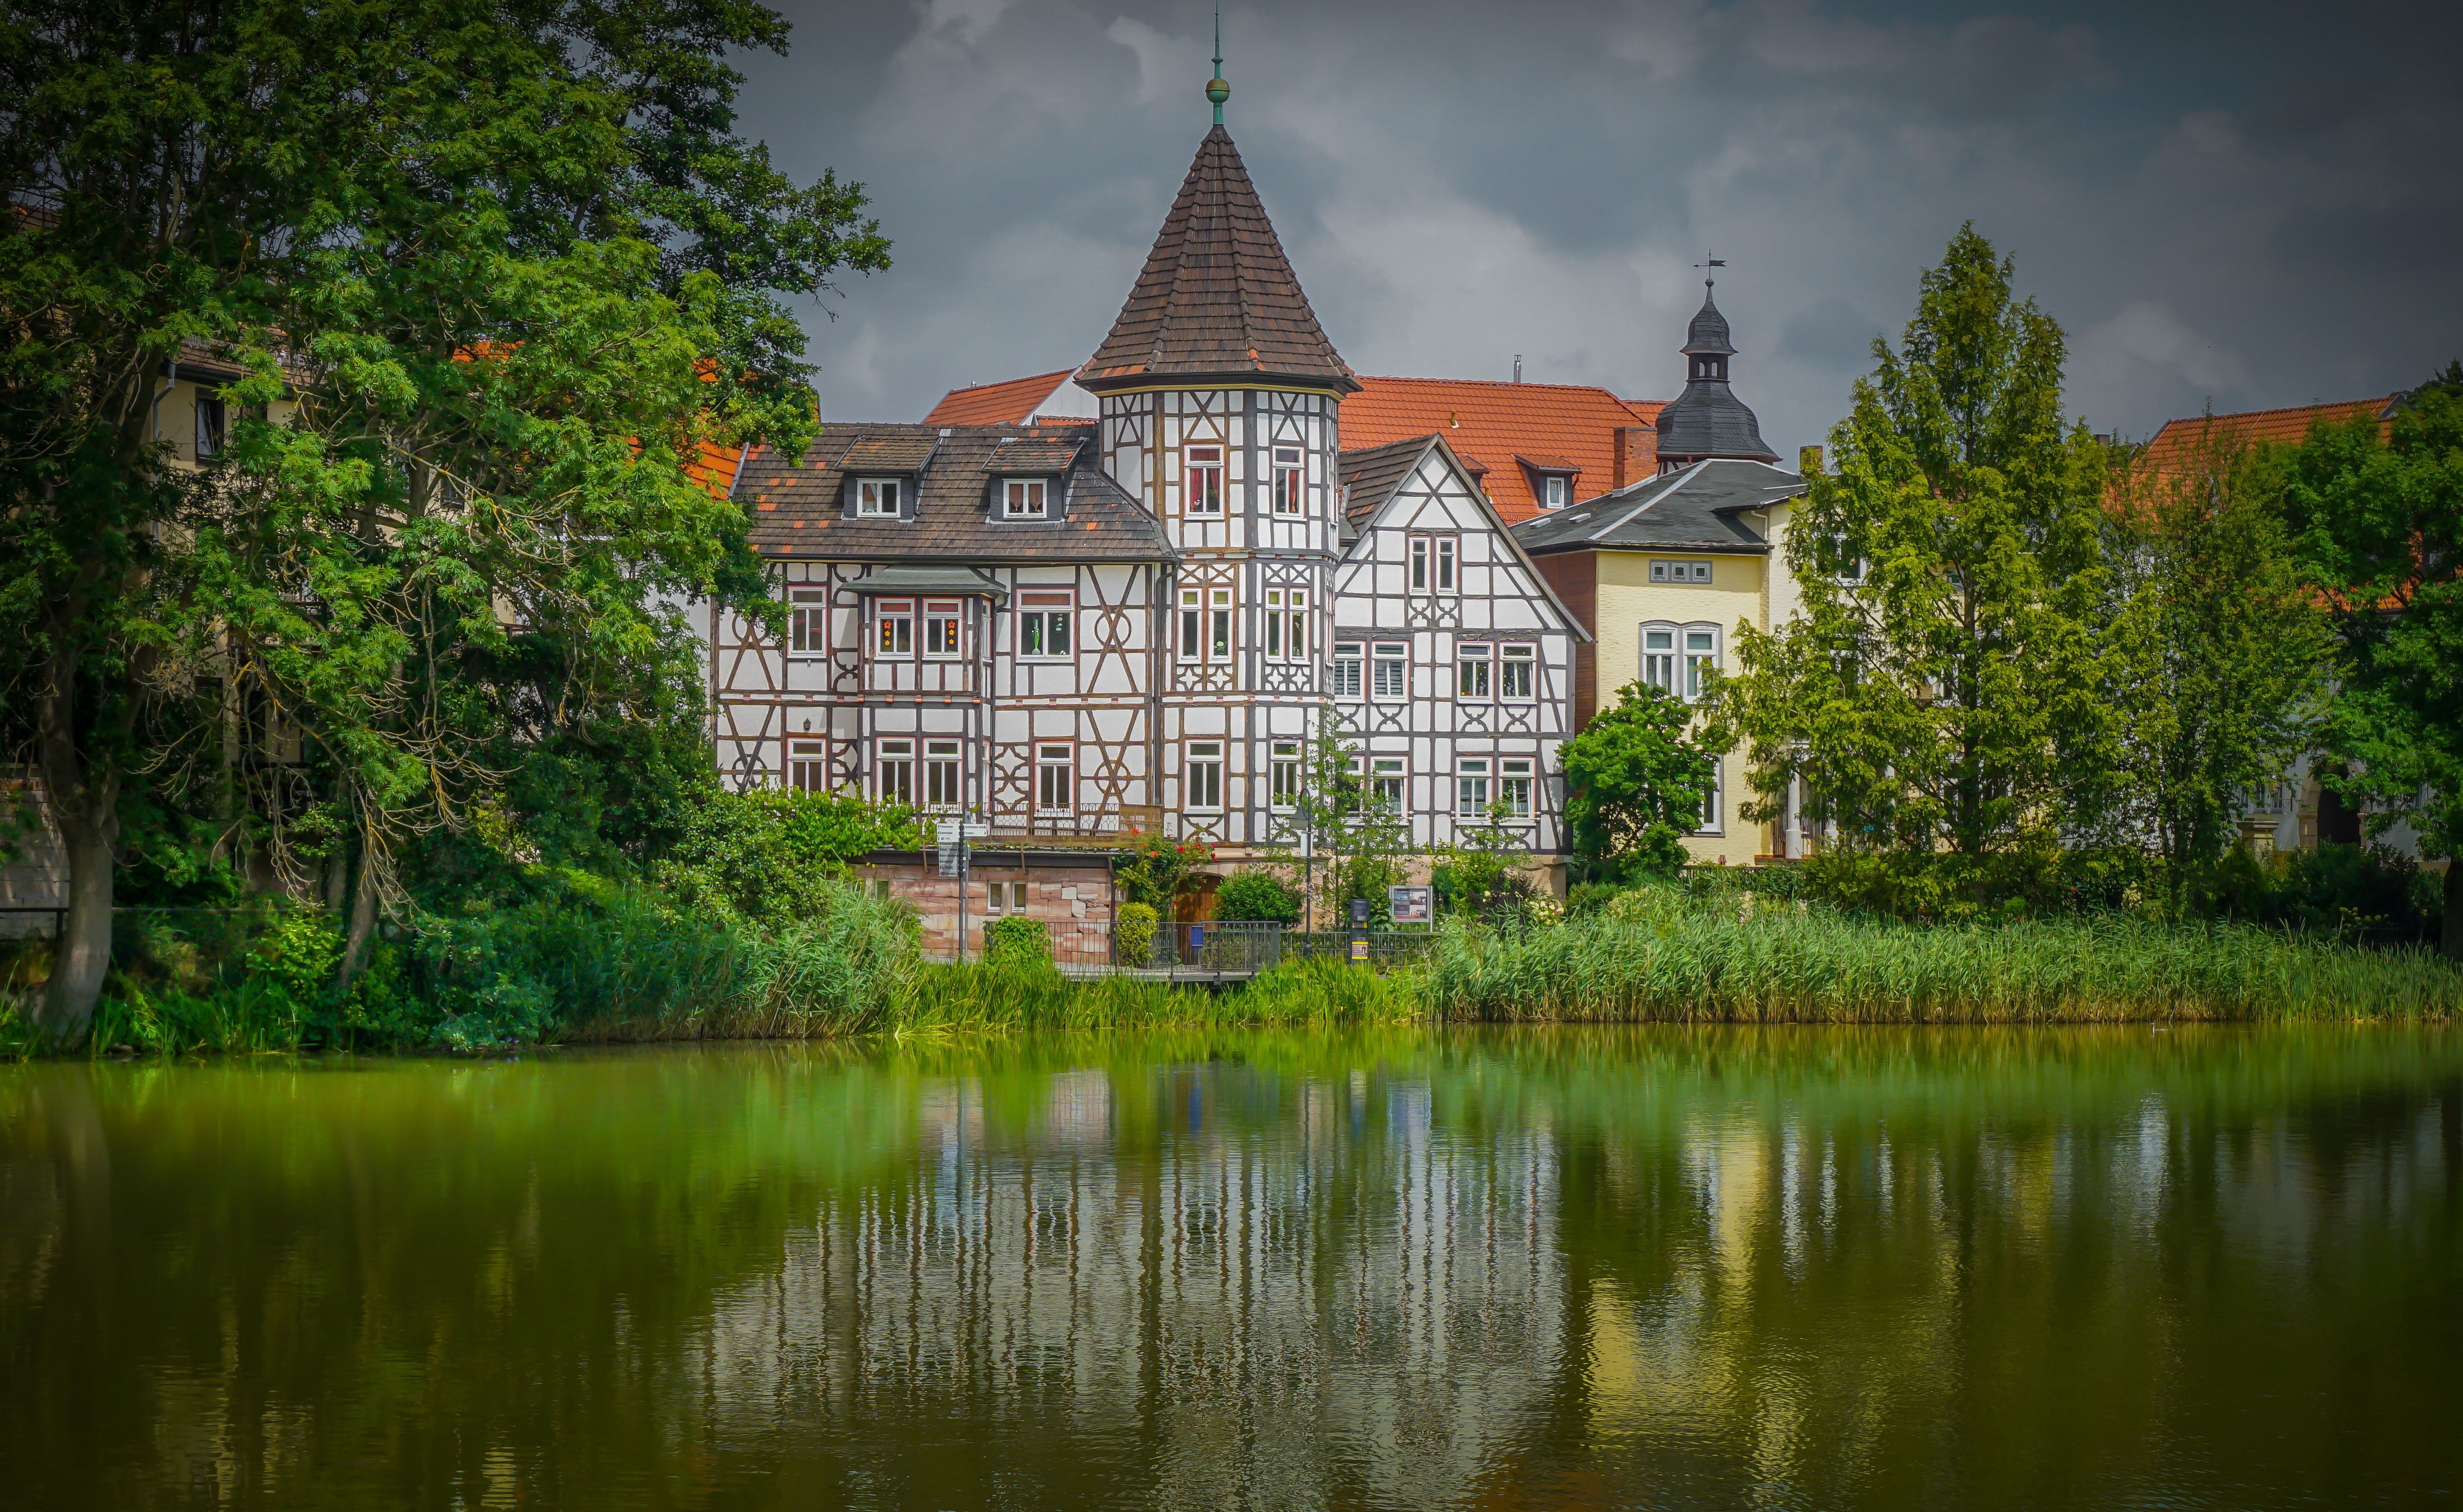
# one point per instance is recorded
(1692, 964)
(623, 967)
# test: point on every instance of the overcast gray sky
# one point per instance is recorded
(2248, 205)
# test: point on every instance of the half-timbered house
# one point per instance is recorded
(1452, 659)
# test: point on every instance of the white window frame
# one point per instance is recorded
(1379, 659)
(1295, 625)
(1051, 757)
(1202, 777)
(808, 620)
(1661, 666)
(1698, 649)
(1283, 792)
(944, 768)
(950, 615)
(893, 771)
(1388, 776)
(1192, 607)
(1449, 564)
(1040, 612)
(1024, 498)
(1673, 573)
(1715, 802)
(1419, 564)
(1222, 638)
(1350, 670)
(895, 639)
(213, 426)
(1205, 478)
(1472, 791)
(1476, 671)
(876, 498)
(1517, 662)
(807, 766)
(1290, 481)
(1555, 492)
(1515, 776)
(998, 893)
(1274, 625)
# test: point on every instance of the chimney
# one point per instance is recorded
(1616, 472)
(1517, 367)
(1808, 460)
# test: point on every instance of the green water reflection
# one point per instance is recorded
(1643, 1267)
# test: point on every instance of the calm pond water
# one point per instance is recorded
(1565, 1268)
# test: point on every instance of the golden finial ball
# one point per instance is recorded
(1217, 91)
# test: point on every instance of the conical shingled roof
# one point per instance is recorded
(1708, 334)
(1216, 297)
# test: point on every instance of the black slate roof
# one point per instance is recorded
(1701, 507)
(1217, 296)
(1708, 334)
(798, 509)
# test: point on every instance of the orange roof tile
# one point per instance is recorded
(2288, 424)
(1491, 425)
(1006, 403)
(714, 467)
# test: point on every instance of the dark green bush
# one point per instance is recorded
(1258, 895)
(1017, 938)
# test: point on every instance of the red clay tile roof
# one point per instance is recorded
(1216, 296)
(1005, 404)
(2266, 425)
(713, 466)
(1488, 424)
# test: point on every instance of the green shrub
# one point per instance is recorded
(1258, 895)
(1133, 933)
(1017, 938)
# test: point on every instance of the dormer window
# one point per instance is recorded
(1022, 498)
(876, 498)
(1553, 493)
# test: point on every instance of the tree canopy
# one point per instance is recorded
(1635, 785)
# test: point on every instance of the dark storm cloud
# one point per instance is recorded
(2238, 206)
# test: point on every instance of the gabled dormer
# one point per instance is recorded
(1026, 480)
(882, 476)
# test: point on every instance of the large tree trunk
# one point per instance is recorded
(86, 807)
(364, 918)
(2451, 933)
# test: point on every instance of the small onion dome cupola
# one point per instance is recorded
(1707, 420)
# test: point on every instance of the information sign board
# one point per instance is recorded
(1409, 905)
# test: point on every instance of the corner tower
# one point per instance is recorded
(1218, 393)
(1707, 420)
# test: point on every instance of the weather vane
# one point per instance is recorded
(1707, 263)
(1216, 90)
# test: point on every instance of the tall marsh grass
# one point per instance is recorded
(1689, 964)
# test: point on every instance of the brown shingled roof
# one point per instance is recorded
(1216, 296)
(1033, 454)
(1011, 402)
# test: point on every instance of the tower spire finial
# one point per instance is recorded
(1216, 90)
(1707, 263)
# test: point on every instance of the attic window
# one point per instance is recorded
(1022, 498)
(876, 498)
(1695, 572)
(1554, 492)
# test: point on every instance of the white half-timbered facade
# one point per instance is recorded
(1451, 659)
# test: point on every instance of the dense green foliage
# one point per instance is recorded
(2380, 526)
(1133, 933)
(1258, 895)
(489, 277)
(1635, 784)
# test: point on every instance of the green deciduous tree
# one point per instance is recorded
(1635, 786)
(514, 268)
(2219, 652)
(1945, 693)
(2379, 522)
(1339, 834)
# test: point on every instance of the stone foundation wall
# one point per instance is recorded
(1059, 895)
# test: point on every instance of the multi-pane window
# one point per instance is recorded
(1054, 791)
(1515, 667)
(1387, 680)
(1419, 564)
(1205, 790)
(1694, 572)
(1043, 621)
(1385, 783)
(1447, 546)
(941, 627)
(211, 418)
(877, 498)
(1513, 786)
(1432, 564)
(1290, 479)
(1285, 791)
(1004, 897)
(1711, 823)
(808, 623)
(897, 773)
(897, 626)
(1659, 657)
(1202, 470)
(807, 766)
(1554, 492)
(1022, 498)
(1470, 787)
(941, 786)
(1346, 668)
(1287, 624)
(1206, 625)
(1701, 658)
(1474, 666)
